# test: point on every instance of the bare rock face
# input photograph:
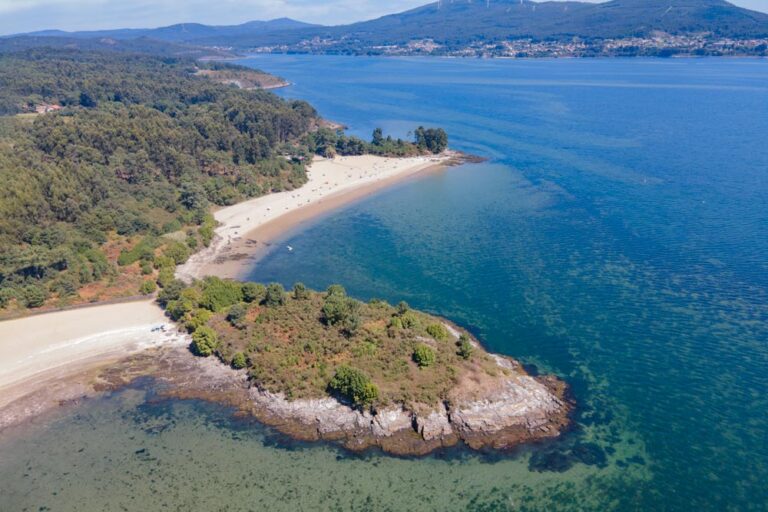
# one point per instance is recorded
(436, 425)
(519, 401)
(498, 411)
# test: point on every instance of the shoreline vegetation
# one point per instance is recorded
(262, 165)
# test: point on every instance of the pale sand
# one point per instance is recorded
(36, 347)
(246, 228)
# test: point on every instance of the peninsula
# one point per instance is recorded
(161, 179)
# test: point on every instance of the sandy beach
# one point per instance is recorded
(36, 348)
(247, 229)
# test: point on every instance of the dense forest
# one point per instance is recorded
(110, 164)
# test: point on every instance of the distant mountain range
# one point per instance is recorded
(454, 24)
(185, 32)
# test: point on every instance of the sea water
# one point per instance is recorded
(617, 236)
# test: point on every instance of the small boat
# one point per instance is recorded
(290, 249)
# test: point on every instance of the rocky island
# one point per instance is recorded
(324, 366)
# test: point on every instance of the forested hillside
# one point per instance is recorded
(110, 164)
(139, 148)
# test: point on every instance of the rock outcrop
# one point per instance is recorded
(498, 411)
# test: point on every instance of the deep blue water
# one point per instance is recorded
(617, 236)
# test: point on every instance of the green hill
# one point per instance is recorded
(460, 22)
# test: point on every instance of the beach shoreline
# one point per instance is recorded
(42, 352)
(247, 230)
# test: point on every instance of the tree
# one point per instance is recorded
(434, 140)
(236, 315)
(86, 100)
(171, 291)
(354, 385)
(253, 292)
(300, 291)
(423, 355)
(378, 137)
(275, 295)
(220, 293)
(204, 341)
(465, 347)
(340, 310)
(194, 318)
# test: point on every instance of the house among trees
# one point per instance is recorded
(44, 108)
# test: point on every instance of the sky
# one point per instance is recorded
(18, 16)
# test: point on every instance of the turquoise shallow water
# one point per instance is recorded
(616, 236)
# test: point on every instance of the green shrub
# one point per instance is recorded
(163, 262)
(204, 341)
(65, 285)
(192, 242)
(236, 315)
(354, 385)
(341, 311)
(239, 361)
(144, 250)
(465, 347)
(171, 291)
(336, 289)
(170, 227)
(146, 267)
(254, 292)
(409, 320)
(147, 287)
(195, 318)
(206, 230)
(99, 263)
(6, 296)
(300, 291)
(423, 355)
(165, 277)
(177, 251)
(437, 331)
(34, 296)
(220, 293)
(275, 295)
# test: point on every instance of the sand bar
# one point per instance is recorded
(246, 229)
(36, 347)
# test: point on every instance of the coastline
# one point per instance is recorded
(38, 350)
(247, 230)
(61, 358)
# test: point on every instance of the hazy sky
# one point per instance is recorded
(28, 15)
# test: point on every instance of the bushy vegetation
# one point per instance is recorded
(329, 143)
(423, 355)
(310, 344)
(204, 341)
(438, 331)
(465, 347)
(354, 385)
